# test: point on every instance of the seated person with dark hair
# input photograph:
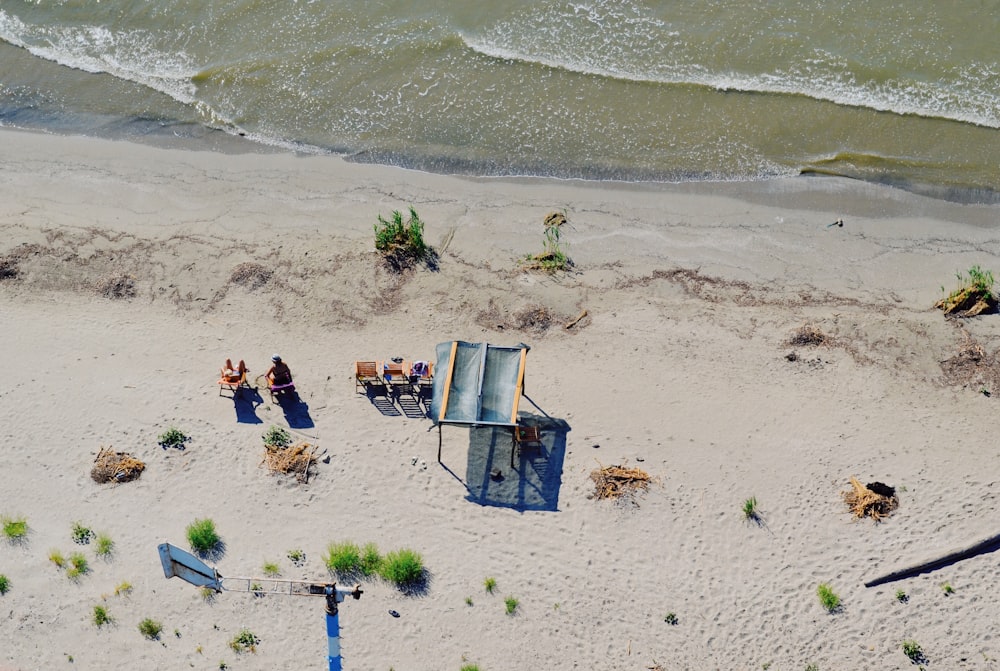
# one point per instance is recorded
(279, 374)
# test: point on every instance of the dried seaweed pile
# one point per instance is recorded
(111, 466)
(808, 336)
(619, 482)
(876, 500)
(297, 459)
(250, 275)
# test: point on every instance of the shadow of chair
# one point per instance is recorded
(525, 438)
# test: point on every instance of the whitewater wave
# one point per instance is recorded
(966, 100)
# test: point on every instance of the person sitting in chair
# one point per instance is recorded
(233, 374)
(278, 375)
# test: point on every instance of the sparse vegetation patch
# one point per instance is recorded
(875, 500)
(973, 296)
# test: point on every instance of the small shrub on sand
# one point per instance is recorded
(4, 584)
(901, 596)
(15, 529)
(81, 534)
(343, 559)
(245, 641)
(271, 569)
(403, 568)
(104, 547)
(510, 605)
(207, 594)
(277, 437)
(828, 598)
(470, 667)
(56, 557)
(101, 616)
(490, 584)
(172, 437)
(974, 295)
(150, 628)
(202, 536)
(124, 588)
(947, 588)
(670, 618)
(913, 650)
(297, 556)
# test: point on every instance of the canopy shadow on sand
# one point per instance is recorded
(535, 480)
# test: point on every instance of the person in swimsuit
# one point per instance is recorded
(279, 373)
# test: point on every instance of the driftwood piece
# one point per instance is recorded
(574, 322)
(987, 545)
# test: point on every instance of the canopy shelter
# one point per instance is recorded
(477, 384)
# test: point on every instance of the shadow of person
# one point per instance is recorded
(245, 404)
(296, 410)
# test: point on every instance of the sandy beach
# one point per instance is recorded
(683, 366)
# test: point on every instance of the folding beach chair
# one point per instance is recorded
(524, 437)
(233, 378)
(366, 375)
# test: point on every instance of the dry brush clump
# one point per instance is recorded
(972, 366)
(8, 268)
(111, 466)
(875, 500)
(295, 459)
(619, 483)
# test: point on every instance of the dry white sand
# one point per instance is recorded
(680, 368)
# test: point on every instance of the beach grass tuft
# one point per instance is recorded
(670, 618)
(202, 536)
(271, 569)
(828, 598)
(401, 241)
(78, 566)
(973, 296)
(371, 560)
(15, 529)
(104, 547)
(297, 556)
(403, 568)
(57, 558)
(901, 596)
(150, 628)
(490, 584)
(4, 584)
(553, 258)
(751, 512)
(510, 605)
(343, 559)
(124, 588)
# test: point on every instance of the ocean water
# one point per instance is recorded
(906, 93)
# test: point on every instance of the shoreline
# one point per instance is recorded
(163, 135)
(681, 368)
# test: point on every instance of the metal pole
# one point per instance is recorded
(332, 629)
